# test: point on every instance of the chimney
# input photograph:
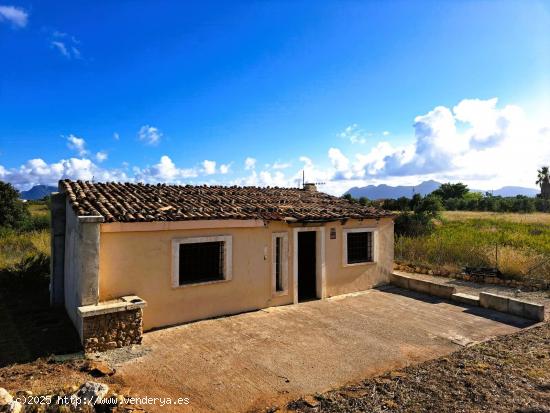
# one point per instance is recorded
(310, 187)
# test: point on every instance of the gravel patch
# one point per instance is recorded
(119, 356)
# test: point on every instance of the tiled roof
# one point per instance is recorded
(130, 202)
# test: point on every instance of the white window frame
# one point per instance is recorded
(284, 264)
(345, 246)
(227, 258)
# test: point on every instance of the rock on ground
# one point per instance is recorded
(5, 397)
(90, 392)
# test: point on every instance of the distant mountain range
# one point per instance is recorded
(371, 191)
(37, 192)
(386, 192)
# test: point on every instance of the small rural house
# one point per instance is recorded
(131, 257)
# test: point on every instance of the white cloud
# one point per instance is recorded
(101, 156)
(340, 163)
(17, 16)
(209, 167)
(249, 163)
(476, 142)
(308, 163)
(38, 172)
(116, 136)
(224, 168)
(264, 178)
(164, 171)
(281, 165)
(61, 47)
(66, 45)
(149, 134)
(386, 133)
(276, 178)
(77, 144)
(354, 134)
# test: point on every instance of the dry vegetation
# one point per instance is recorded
(16, 246)
(19, 245)
(518, 244)
(531, 218)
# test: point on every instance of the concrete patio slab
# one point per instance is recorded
(254, 360)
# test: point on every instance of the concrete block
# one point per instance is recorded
(465, 299)
(525, 309)
(493, 302)
(400, 281)
(513, 306)
(441, 290)
(516, 307)
(419, 286)
(534, 311)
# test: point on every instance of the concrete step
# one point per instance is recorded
(466, 299)
(525, 309)
(421, 286)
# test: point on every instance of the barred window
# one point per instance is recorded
(201, 260)
(359, 247)
(279, 263)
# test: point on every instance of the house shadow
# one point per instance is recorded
(497, 316)
(29, 327)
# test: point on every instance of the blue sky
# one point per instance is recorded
(255, 92)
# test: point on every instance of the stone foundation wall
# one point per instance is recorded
(112, 330)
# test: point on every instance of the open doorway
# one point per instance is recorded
(307, 265)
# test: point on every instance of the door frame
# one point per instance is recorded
(320, 279)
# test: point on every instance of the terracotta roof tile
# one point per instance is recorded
(131, 202)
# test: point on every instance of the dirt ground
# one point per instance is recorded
(266, 358)
(507, 374)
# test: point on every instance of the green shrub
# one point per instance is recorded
(413, 224)
(35, 223)
(13, 212)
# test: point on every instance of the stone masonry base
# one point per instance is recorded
(107, 331)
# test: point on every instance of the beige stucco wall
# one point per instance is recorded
(342, 279)
(140, 263)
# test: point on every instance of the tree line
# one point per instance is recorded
(457, 197)
(15, 214)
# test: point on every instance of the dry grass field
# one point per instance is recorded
(531, 218)
(517, 244)
(20, 245)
